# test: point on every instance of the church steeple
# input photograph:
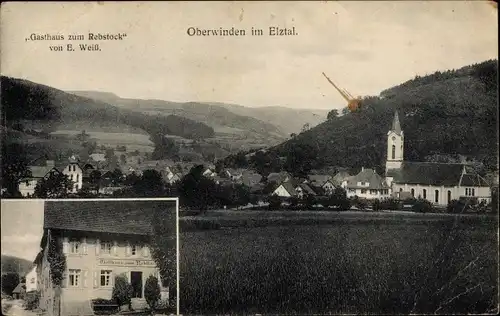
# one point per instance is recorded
(395, 141)
(396, 127)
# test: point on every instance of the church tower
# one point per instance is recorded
(395, 141)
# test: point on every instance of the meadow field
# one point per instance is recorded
(348, 263)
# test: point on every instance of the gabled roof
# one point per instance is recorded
(19, 288)
(473, 180)
(288, 187)
(340, 177)
(318, 179)
(307, 189)
(278, 176)
(41, 171)
(376, 182)
(428, 173)
(123, 217)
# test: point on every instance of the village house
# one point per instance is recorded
(279, 177)
(293, 188)
(250, 178)
(366, 184)
(75, 173)
(99, 241)
(439, 183)
(19, 291)
(27, 185)
(31, 280)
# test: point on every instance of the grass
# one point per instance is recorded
(347, 265)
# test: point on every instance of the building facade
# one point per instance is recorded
(367, 184)
(97, 248)
(31, 280)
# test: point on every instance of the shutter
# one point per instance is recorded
(65, 245)
(115, 248)
(85, 276)
(97, 246)
(96, 279)
(128, 250)
(84, 245)
(65, 279)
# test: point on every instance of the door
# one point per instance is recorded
(136, 282)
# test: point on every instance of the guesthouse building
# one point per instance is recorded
(99, 240)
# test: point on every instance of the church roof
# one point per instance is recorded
(428, 173)
(396, 126)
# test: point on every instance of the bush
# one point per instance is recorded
(376, 205)
(422, 206)
(122, 291)
(32, 300)
(274, 202)
(152, 292)
(390, 204)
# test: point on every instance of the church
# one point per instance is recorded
(439, 183)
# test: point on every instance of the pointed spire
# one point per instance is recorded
(396, 127)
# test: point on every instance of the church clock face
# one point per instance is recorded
(393, 138)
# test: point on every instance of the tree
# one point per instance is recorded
(149, 184)
(152, 292)
(305, 127)
(14, 168)
(332, 114)
(122, 291)
(274, 202)
(123, 159)
(345, 111)
(56, 185)
(83, 136)
(163, 248)
(95, 180)
(9, 282)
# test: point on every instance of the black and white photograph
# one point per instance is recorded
(327, 157)
(91, 257)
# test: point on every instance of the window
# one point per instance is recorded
(106, 247)
(74, 277)
(77, 177)
(71, 177)
(413, 192)
(473, 193)
(425, 193)
(449, 196)
(393, 151)
(436, 197)
(133, 250)
(400, 189)
(32, 280)
(105, 277)
(74, 246)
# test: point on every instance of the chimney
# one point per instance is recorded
(50, 163)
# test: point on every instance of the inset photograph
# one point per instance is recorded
(89, 257)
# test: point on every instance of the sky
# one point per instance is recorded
(22, 228)
(365, 47)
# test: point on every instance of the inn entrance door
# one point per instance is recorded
(136, 282)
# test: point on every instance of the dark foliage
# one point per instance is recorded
(9, 282)
(56, 185)
(14, 168)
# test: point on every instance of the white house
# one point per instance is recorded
(367, 184)
(27, 185)
(439, 183)
(31, 280)
(74, 173)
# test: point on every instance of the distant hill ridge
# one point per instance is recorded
(23, 99)
(11, 264)
(448, 113)
(271, 120)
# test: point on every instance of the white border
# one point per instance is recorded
(176, 199)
